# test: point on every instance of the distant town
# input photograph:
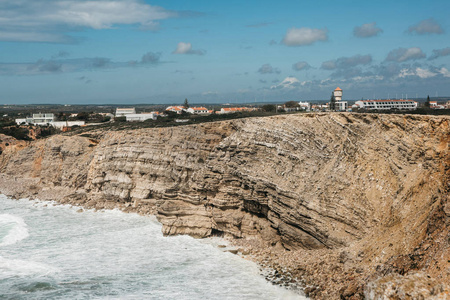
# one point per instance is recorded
(50, 118)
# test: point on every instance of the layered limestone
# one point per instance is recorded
(374, 187)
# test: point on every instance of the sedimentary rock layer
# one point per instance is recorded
(309, 181)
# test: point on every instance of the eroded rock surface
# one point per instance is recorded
(372, 186)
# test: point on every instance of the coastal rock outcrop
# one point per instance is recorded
(374, 186)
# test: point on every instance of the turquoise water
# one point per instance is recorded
(51, 251)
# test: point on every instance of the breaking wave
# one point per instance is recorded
(12, 229)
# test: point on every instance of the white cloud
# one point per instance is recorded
(406, 72)
(288, 83)
(445, 72)
(304, 36)
(403, 54)
(48, 20)
(186, 48)
(103, 14)
(183, 48)
(360, 79)
(419, 72)
(423, 73)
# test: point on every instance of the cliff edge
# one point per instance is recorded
(352, 198)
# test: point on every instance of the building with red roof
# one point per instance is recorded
(176, 109)
(230, 110)
(197, 110)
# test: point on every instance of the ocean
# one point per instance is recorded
(50, 251)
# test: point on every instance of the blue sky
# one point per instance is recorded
(134, 51)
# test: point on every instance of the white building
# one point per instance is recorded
(197, 110)
(41, 119)
(37, 119)
(319, 107)
(304, 105)
(177, 109)
(21, 121)
(341, 105)
(140, 117)
(48, 119)
(120, 112)
(386, 104)
(434, 104)
(62, 124)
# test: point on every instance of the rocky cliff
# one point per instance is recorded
(363, 189)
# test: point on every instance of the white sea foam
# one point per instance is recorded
(114, 255)
(18, 267)
(14, 229)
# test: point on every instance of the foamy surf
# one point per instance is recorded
(12, 229)
(18, 267)
(114, 255)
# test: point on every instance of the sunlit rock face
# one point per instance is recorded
(375, 185)
(307, 181)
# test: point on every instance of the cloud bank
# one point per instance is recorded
(60, 64)
(288, 83)
(403, 54)
(347, 62)
(51, 20)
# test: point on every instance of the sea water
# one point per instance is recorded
(50, 251)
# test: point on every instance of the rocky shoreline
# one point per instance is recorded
(283, 268)
(271, 271)
(351, 206)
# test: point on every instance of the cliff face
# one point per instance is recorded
(376, 184)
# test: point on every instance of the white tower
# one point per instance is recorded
(338, 94)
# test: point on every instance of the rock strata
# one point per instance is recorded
(343, 198)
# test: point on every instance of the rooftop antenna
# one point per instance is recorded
(406, 96)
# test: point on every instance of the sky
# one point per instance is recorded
(208, 51)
